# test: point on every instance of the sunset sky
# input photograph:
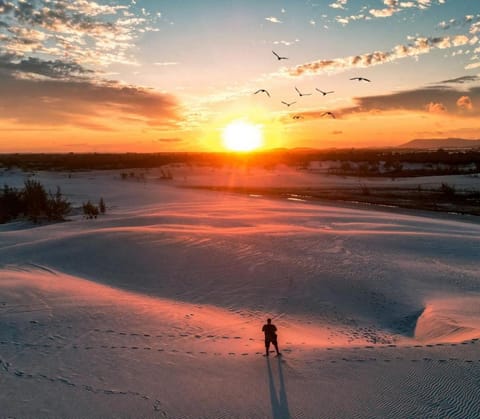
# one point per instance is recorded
(158, 75)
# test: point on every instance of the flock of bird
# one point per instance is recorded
(301, 94)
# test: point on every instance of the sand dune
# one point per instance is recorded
(155, 309)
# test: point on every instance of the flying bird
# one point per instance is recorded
(288, 104)
(279, 58)
(297, 117)
(360, 79)
(262, 91)
(302, 94)
(328, 114)
(324, 93)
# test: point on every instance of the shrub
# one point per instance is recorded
(35, 198)
(89, 210)
(11, 204)
(34, 202)
(57, 206)
(101, 206)
(447, 189)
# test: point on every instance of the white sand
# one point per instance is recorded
(155, 309)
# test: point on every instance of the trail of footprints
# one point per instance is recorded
(330, 350)
(7, 367)
(157, 405)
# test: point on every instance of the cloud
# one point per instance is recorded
(391, 8)
(273, 19)
(50, 69)
(437, 99)
(464, 102)
(339, 4)
(56, 100)
(82, 31)
(461, 80)
(434, 107)
(419, 46)
(286, 43)
(166, 64)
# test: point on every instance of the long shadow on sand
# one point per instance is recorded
(279, 401)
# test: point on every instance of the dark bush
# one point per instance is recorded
(33, 202)
(89, 210)
(101, 206)
(57, 206)
(35, 198)
(11, 204)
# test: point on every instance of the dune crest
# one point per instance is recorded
(449, 320)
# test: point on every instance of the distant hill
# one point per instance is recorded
(441, 143)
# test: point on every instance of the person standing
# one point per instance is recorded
(270, 331)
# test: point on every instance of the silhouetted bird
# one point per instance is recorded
(297, 117)
(324, 93)
(329, 114)
(288, 104)
(279, 58)
(302, 94)
(262, 91)
(360, 79)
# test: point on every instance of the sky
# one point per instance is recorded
(163, 75)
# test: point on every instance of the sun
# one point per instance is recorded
(242, 136)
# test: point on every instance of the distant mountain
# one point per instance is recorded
(441, 143)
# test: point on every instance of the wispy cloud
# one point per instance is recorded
(418, 46)
(82, 31)
(461, 80)
(395, 6)
(273, 19)
(338, 4)
(390, 8)
(286, 43)
(166, 63)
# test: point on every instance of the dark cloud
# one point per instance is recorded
(83, 103)
(6, 6)
(52, 69)
(428, 99)
(461, 80)
(416, 100)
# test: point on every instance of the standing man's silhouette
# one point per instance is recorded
(270, 331)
